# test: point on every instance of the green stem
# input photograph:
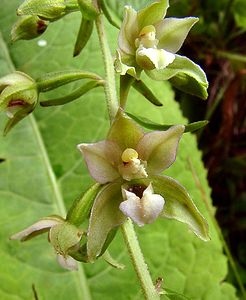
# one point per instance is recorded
(139, 264)
(127, 228)
(110, 86)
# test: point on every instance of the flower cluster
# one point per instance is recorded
(148, 41)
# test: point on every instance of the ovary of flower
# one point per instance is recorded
(132, 167)
(142, 210)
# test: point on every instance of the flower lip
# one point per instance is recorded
(137, 189)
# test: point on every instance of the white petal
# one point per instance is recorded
(67, 262)
(43, 225)
(142, 211)
(132, 209)
(159, 58)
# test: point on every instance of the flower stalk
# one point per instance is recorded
(139, 264)
(110, 86)
(127, 227)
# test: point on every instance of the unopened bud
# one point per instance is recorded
(46, 9)
(28, 27)
(18, 97)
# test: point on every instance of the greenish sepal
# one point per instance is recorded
(18, 116)
(111, 261)
(142, 88)
(107, 14)
(124, 131)
(185, 75)
(84, 34)
(125, 84)
(88, 9)
(28, 27)
(50, 81)
(46, 9)
(74, 95)
(179, 205)
(80, 209)
(105, 218)
(152, 13)
(154, 126)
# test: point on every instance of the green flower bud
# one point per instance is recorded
(46, 9)
(28, 27)
(18, 97)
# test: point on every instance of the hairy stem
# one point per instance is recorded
(110, 87)
(127, 228)
(139, 264)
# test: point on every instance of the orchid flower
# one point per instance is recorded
(128, 163)
(62, 235)
(148, 41)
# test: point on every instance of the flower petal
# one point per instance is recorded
(102, 159)
(152, 58)
(15, 78)
(105, 217)
(179, 205)
(37, 228)
(129, 31)
(185, 75)
(67, 262)
(171, 32)
(152, 13)
(123, 68)
(142, 211)
(125, 132)
(159, 148)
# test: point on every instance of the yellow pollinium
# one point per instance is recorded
(128, 155)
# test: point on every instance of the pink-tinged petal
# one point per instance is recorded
(129, 31)
(159, 148)
(171, 32)
(67, 262)
(152, 13)
(102, 160)
(105, 217)
(37, 228)
(125, 132)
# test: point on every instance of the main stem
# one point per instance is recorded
(127, 228)
(110, 86)
(139, 264)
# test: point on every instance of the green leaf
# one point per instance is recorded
(185, 75)
(154, 126)
(42, 173)
(179, 205)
